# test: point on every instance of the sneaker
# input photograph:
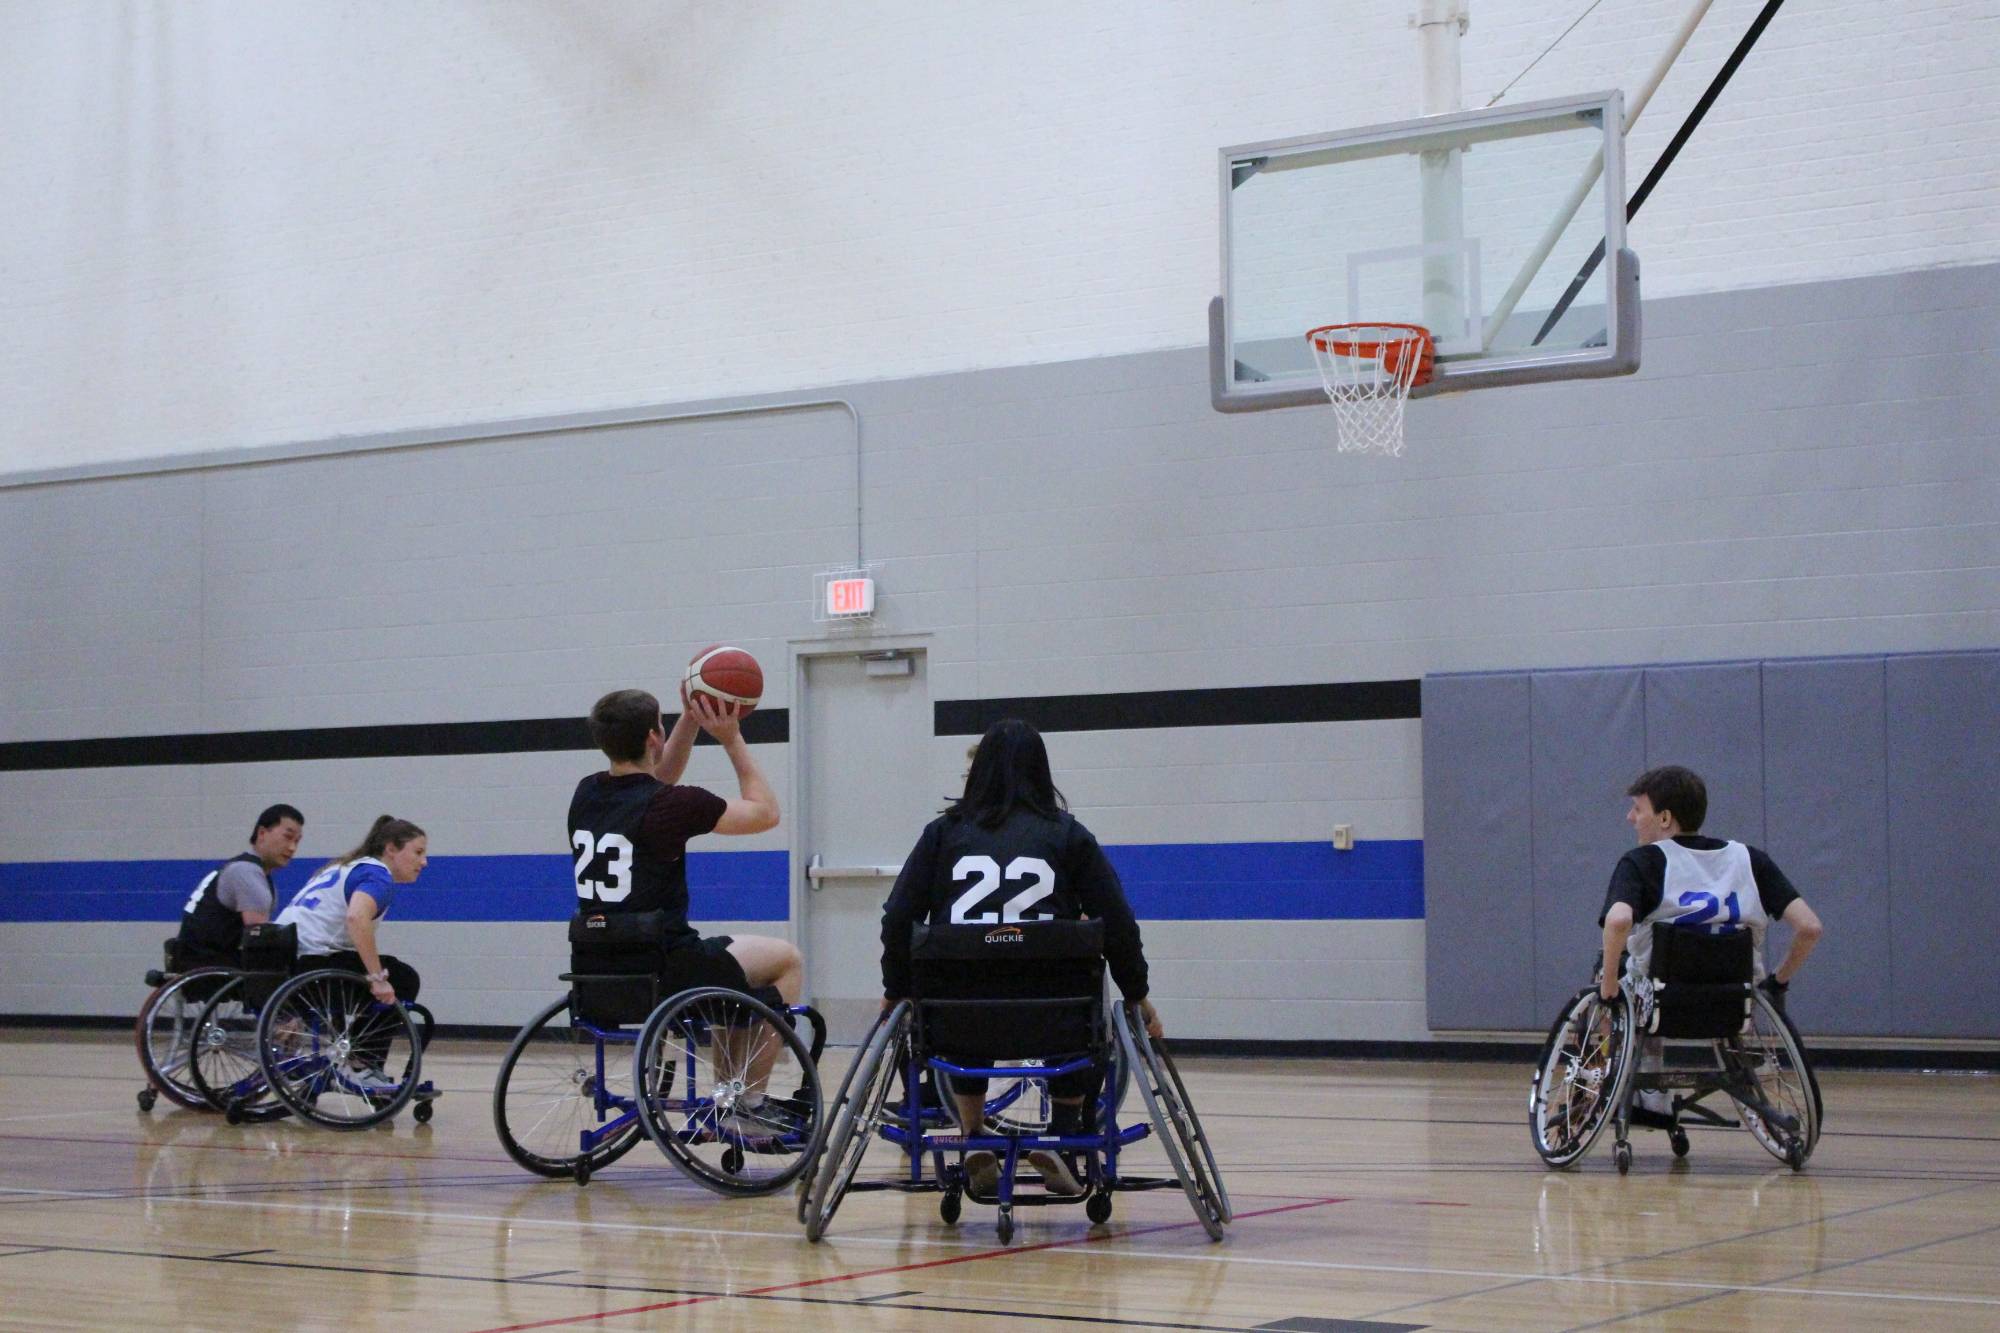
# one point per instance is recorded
(771, 1119)
(371, 1082)
(1056, 1177)
(982, 1173)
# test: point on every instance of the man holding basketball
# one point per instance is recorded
(629, 827)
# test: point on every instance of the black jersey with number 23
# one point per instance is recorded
(628, 839)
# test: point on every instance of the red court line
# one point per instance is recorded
(974, 1257)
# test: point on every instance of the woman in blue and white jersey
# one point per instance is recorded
(336, 911)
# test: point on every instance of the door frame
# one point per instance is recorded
(802, 651)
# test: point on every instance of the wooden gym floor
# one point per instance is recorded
(1368, 1195)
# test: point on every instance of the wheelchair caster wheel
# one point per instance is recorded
(233, 1113)
(422, 1113)
(1006, 1226)
(1099, 1208)
(1622, 1155)
(1679, 1139)
(1795, 1155)
(949, 1207)
(582, 1172)
(147, 1097)
(732, 1160)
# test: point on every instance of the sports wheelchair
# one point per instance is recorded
(166, 1033)
(1009, 992)
(1700, 990)
(566, 1104)
(271, 1042)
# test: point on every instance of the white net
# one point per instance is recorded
(1368, 370)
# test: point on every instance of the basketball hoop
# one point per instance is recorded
(1368, 371)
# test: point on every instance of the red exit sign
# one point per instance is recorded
(850, 597)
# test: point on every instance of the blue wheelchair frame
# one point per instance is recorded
(251, 1099)
(617, 1121)
(1122, 1050)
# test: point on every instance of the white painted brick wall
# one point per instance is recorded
(241, 225)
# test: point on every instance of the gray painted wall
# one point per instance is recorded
(1796, 471)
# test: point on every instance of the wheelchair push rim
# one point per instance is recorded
(1769, 1052)
(547, 1095)
(165, 1032)
(857, 1116)
(333, 1054)
(1174, 1123)
(693, 1075)
(224, 1060)
(1580, 1077)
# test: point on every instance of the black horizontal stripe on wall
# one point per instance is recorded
(1246, 705)
(396, 741)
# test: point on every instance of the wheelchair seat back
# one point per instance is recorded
(1701, 982)
(614, 962)
(269, 950)
(1008, 992)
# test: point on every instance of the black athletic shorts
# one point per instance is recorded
(705, 962)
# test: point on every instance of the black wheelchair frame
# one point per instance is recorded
(1700, 991)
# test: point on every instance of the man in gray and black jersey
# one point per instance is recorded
(238, 892)
(1677, 876)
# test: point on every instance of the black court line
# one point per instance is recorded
(1770, 1282)
(1599, 1268)
(1513, 1123)
(885, 1296)
(33, 1249)
(536, 1277)
(240, 1254)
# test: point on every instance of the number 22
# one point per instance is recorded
(987, 874)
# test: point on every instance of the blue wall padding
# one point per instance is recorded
(1479, 948)
(1588, 741)
(1943, 736)
(1826, 793)
(1871, 781)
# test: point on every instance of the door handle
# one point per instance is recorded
(817, 872)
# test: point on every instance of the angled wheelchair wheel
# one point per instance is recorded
(335, 1056)
(223, 1062)
(855, 1118)
(1769, 1055)
(166, 1034)
(555, 1086)
(1580, 1077)
(1175, 1123)
(702, 1058)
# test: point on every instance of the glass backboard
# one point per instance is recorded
(1474, 225)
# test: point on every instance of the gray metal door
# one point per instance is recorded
(869, 790)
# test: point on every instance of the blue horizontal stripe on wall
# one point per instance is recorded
(1165, 882)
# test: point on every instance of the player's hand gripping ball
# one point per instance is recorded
(728, 675)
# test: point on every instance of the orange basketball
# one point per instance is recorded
(727, 674)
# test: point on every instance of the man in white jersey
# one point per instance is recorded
(1675, 875)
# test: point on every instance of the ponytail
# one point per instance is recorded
(387, 831)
